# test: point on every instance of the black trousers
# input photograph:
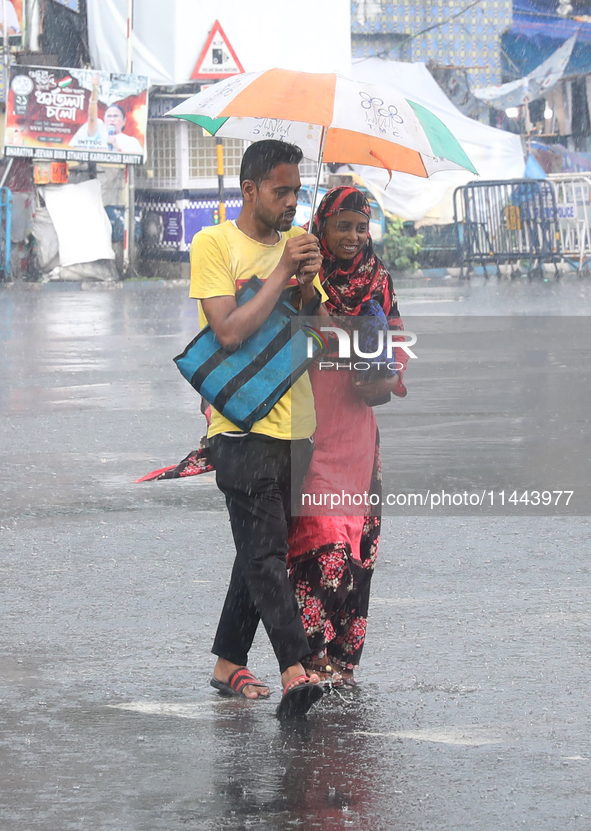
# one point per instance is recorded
(259, 476)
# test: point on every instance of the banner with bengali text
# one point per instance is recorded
(76, 115)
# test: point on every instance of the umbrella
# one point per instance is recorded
(332, 119)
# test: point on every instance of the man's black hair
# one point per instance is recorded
(261, 157)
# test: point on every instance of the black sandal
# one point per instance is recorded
(298, 696)
(331, 679)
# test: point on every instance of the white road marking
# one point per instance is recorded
(194, 710)
(468, 736)
(402, 601)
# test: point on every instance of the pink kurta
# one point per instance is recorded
(341, 468)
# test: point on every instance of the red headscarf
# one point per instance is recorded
(349, 283)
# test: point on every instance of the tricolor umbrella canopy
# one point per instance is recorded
(330, 117)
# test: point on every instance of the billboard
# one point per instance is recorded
(76, 115)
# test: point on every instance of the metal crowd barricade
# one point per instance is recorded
(5, 232)
(512, 222)
(573, 206)
(170, 219)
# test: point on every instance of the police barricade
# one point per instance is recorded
(5, 232)
(512, 222)
(170, 219)
(573, 206)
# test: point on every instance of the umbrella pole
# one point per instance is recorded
(320, 155)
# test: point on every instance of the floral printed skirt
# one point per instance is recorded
(332, 589)
(332, 554)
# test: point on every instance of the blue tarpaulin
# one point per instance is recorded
(536, 33)
(533, 169)
(555, 158)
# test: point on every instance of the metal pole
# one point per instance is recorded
(318, 172)
(6, 194)
(129, 37)
(5, 48)
(221, 196)
(7, 205)
(129, 217)
(528, 124)
(32, 26)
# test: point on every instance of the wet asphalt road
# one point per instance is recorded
(474, 708)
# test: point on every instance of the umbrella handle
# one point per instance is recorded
(314, 196)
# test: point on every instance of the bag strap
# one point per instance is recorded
(254, 285)
(312, 306)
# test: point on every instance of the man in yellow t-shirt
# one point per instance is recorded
(256, 471)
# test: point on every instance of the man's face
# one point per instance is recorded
(277, 197)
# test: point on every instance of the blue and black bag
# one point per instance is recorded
(245, 385)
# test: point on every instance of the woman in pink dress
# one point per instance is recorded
(332, 551)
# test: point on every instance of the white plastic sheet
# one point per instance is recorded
(496, 154)
(46, 242)
(80, 221)
(107, 32)
(169, 36)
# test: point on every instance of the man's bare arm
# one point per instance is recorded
(233, 324)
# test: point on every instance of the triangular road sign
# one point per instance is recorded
(218, 59)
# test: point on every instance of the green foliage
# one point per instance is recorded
(400, 250)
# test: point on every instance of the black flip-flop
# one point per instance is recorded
(297, 700)
(240, 678)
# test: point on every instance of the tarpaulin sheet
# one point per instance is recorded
(80, 221)
(536, 32)
(169, 36)
(496, 154)
(532, 19)
(107, 35)
(555, 158)
(521, 54)
(532, 86)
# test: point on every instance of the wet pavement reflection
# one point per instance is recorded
(473, 707)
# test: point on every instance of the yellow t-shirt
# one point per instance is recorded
(221, 257)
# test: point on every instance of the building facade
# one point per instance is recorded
(460, 34)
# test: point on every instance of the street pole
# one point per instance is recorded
(129, 196)
(5, 49)
(221, 196)
(5, 253)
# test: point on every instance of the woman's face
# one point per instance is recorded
(115, 118)
(346, 234)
